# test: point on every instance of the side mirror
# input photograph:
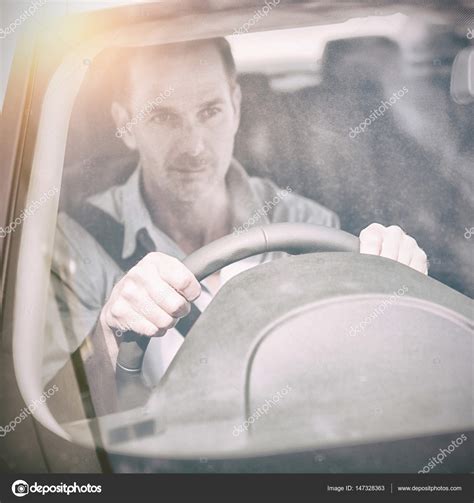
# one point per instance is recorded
(462, 77)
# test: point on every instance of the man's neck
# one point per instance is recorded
(191, 224)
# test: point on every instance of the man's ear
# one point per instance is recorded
(122, 118)
(236, 96)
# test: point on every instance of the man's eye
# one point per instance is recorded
(163, 118)
(210, 112)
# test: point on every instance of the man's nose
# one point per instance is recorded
(193, 141)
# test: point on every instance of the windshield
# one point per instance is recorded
(172, 146)
(339, 125)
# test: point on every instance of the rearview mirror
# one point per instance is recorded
(462, 77)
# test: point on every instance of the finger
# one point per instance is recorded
(144, 305)
(154, 313)
(371, 239)
(407, 248)
(391, 242)
(419, 262)
(122, 316)
(165, 296)
(178, 276)
(158, 316)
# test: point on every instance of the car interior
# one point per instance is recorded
(298, 137)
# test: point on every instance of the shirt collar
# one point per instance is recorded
(246, 203)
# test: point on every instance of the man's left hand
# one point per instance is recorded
(392, 242)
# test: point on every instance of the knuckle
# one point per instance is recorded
(173, 260)
(395, 229)
(411, 241)
(129, 289)
(117, 310)
(422, 254)
(176, 265)
(136, 274)
(364, 233)
(176, 306)
(196, 291)
(152, 256)
(151, 260)
(369, 236)
(156, 258)
(369, 231)
(374, 226)
(166, 321)
(183, 280)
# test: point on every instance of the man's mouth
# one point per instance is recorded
(197, 167)
(190, 169)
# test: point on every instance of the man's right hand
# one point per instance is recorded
(151, 298)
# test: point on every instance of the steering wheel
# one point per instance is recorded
(293, 238)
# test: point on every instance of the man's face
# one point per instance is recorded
(186, 142)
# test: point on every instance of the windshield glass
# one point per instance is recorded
(173, 146)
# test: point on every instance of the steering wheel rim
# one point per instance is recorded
(293, 238)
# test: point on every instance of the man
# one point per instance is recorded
(186, 192)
